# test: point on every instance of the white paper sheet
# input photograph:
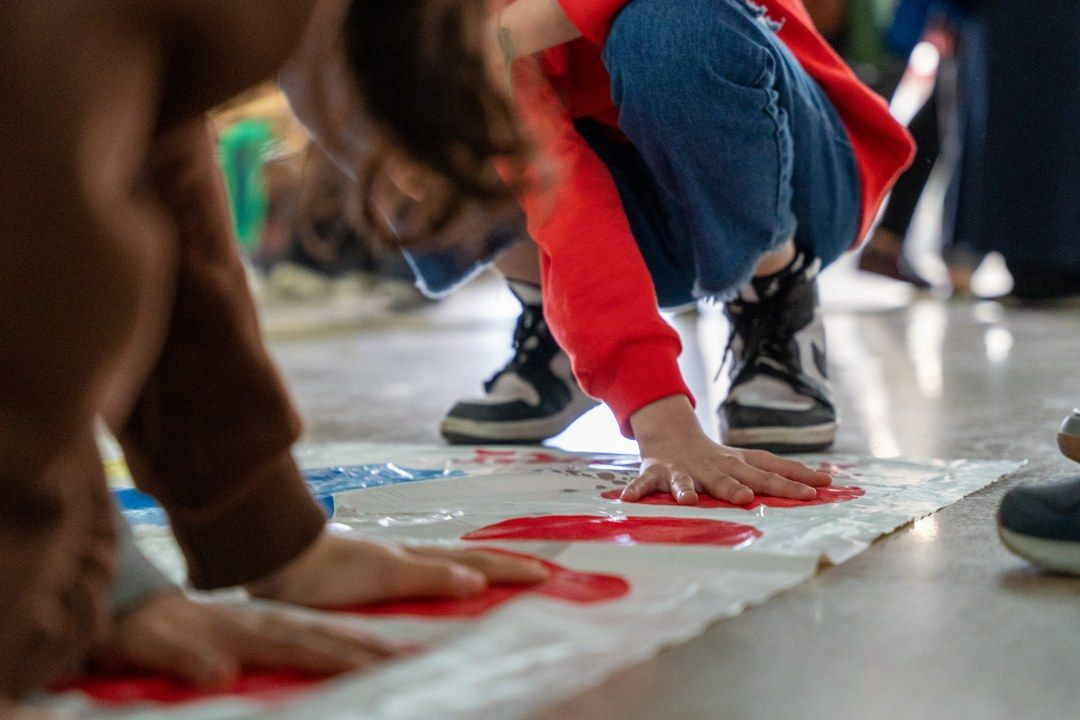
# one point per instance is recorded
(534, 651)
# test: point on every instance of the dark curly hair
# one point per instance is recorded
(420, 68)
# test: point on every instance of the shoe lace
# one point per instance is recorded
(530, 324)
(765, 330)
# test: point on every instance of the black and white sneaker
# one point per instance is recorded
(533, 398)
(780, 398)
(1041, 523)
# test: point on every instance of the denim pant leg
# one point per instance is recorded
(657, 223)
(741, 138)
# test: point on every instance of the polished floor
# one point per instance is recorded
(934, 621)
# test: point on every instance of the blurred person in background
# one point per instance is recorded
(1023, 155)
(999, 108)
(935, 23)
(330, 241)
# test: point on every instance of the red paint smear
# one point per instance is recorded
(832, 468)
(562, 584)
(481, 452)
(484, 456)
(825, 496)
(624, 530)
(265, 686)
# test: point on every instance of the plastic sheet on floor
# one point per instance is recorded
(665, 572)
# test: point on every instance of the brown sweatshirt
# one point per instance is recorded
(122, 295)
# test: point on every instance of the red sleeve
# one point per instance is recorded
(592, 17)
(598, 295)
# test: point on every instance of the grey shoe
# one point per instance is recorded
(1041, 523)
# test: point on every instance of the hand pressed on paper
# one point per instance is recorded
(205, 645)
(678, 457)
(338, 571)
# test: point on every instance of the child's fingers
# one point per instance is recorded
(767, 483)
(170, 635)
(496, 567)
(357, 641)
(279, 641)
(683, 488)
(654, 478)
(186, 658)
(205, 645)
(788, 468)
(416, 576)
(727, 488)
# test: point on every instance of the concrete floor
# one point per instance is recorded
(934, 621)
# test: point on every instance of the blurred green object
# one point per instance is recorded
(245, 146)
(867, 22)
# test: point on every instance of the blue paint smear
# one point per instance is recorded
(141, 509)
(358, 477)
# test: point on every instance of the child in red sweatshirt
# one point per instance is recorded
(708, 149)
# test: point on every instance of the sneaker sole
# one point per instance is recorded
(463, 431)
(810, 438)
(1057, 555)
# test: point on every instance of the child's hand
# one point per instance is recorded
(677, 457)
(205, 645)
(338, 571)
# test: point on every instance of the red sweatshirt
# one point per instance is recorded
(598, 294)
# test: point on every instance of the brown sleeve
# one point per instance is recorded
(219, 49)
(210, 433)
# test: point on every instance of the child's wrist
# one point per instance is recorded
(657, 422)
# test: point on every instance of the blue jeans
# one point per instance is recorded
(733, 147)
